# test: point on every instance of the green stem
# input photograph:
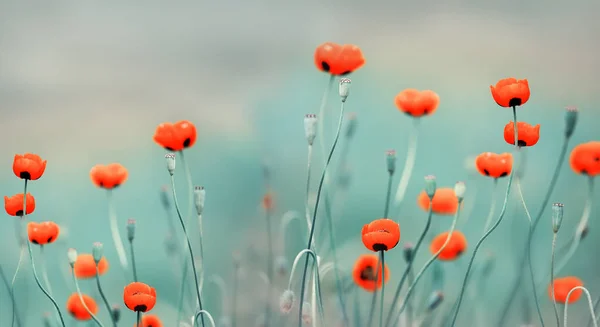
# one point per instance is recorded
(235, 296)
(409, 164)
(382, 288)
(357, 307)
(139, 319)
(314, 218)
(82, 301)
(490, 216)
(596, 306)
(552, 281)
(388, 194)
(182, 291)
(591, 306)
(135, 276)
(410, 264)
(269, 267)
(12, 297)
(409, 307)
(485, 236)
(188, 244)
(200, 313)
(44, 272)
(114, 229)
(371, 315)
(108, 308)
(15, 315)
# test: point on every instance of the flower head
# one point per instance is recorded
(529, 135)
(510, 92)
(42, 233)
(455, 247)
(139, 297)
(28, 166)
(445, 201)
(14, 204)
(175, 137)
(381, 235)
(585, 158)
(108, 176)
(562, 287)
(417, 103)
(77, 308)
(494, 165)
(151, 320)
(338, 59)
(85, 266)
(367, 272)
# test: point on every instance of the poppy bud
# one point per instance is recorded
(306, 314)
(97, 251)
(310, 128)
(130, 229)
(286, 301)
(459, 190)
(351, 127)
(116, 312)
(570, 120)
(344, 88)
(199, 198)
(164, 197)
(281, 265)
(170, 163)
(435, 299)
(557, 216)
(72, 255)
(390, 157)
(430, 186)
(409, 250)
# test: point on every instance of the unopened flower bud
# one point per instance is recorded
(430, 186)
(306, 314)
(310, 128)
(570, 120)
(199, 198)
(164, 197)
(170, 157)
(459, 189)
(97, 251)
(351, 126)
(390, 157)
(557, 216)
(408, 252)
(344, 88)
(281, 265)
(72, 255)
(130, 229)
(116, 312)
(286, 301)
(435, 299)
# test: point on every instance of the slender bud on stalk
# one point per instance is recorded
(307, 317)
(130, 229)
(344, 88)
(170, 157)
(570, 120)
(310, 128)
(72, 255)
(430, 186)
(390, 157)
(557, 216)
(97, 251)
(459, 189)
(199, 198)
(286, 302)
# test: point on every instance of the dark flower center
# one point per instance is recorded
(368, 274)
(514, 102)
(19, 213)
(325, 66)
(25, 175)
(187, 142)
(140, 307)
(521, 143)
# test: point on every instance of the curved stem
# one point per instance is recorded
(106, 304)
(490, 231)
(8, 289)
(589, 298)
(527, 250)
(429, 262)
(410, 264)
(321, 115)
(596, 305)
(408, 166)
(114, 230)
(15, 315)
(490, 216)
(182, 291)
(44, 272)
(235, 295)
(552, 281)
(188, 244)
(314, 218)
(208, 315)
(82, 301)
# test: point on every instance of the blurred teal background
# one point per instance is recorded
(83, 83)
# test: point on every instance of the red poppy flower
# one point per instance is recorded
(175, 137)
(585, 158)
(42, 233)
(150, 321)
(381, 235)
(77, 309)
(85, 266)
(364, 271)
(445, 201)
(417, 103)
(29, 166)
(510, 92)
(528, 135)
(337, 59)
(562, 287)
(455, 247)
(494, 165)
(14, 204)
(109, 176)
(139, 297)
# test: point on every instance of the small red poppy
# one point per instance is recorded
(337, 59)
(28, 166)
(529, 135)
(417, 103)
(367, 272)
(42, 233)
(177, 136)
(381, 235)
(585, 158)
(150, 321)
(494, 165)
(109, 176)
(562, 287)
(77, 309)
(14, 204)
(85, 266)
(445, 201)
(455, 247)
(139, 297)
(510, 92)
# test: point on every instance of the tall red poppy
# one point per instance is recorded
(457, 244)
(585, 158)
(337, 59)
(177, 136)
(139, 297)
(77, 309)
(42, 233)
(85, 266)
(510, 92)
(109, 176)
(529, 135)
(562, 287)
(28, 166)
(381, 235)
(417, 103)
(367, 272)
(14, 204)
(494, 165)
(445, 201)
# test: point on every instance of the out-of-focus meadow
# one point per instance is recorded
(83, 83)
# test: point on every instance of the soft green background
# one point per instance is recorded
(83, 83)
